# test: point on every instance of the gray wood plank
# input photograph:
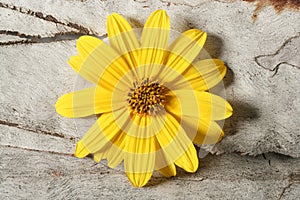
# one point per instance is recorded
(262, 85)
(31, 174)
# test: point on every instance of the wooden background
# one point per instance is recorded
(258, 158)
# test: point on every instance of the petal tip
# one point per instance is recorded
(113, 17)
(81, 151)
(61, 105)
(75, 62)
(193, 170)
(98, 156)
(168, 171)
(139, 179)
(160, 12)
(189, 160)
(117, 24)
(81, 39)
(158, 19)
(196, 35)
(86, 44)
(229, 110)
(192, 167)
(96, 159)
(114, 14)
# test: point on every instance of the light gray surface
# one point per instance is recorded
(30, 174)
(263, 86)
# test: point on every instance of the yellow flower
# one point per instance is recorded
(152, 98)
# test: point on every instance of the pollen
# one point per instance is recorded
(147, 97)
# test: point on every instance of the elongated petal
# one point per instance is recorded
(189, 160)
(173, 140)
(209, 132)
(155, 38)
(168, 171)
(183, 51)
(123, 38)
(99, 136)
(141, 147)
(86, 44)
(200, 130)
(115, 155)
(139, 179)
(140, 126)
(99, 155)
(202, 75)
(156, 31)
(94, 59)
(86, 102)
(81, 151)
(139, 166)
(164, 165)
(208, 106)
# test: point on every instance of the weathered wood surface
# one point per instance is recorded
(42, 175)
(263, 85)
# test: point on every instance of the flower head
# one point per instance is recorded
(152, 98)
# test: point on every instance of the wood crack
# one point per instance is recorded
(31, 39)
(81, 29)
(197, 5)
(38, 150)
(279, 5)
(20, 35)
(276, 68)
(291, 181)
(60, 135)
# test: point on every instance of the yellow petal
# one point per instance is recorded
(139, 157)
(189, 160)
(173, 140)
(81, 151)
(76, 61)
(99, 136)
(92, 64)
(123, 38)
(140, 126)
(208, 106)
(139, 179)
(156, 31)
(183, 51)
(86, 44)
(139, 166)
(168, 171)
(140, 145)
(202, 75)
(163, 164)
(155, 38)
(115, 154)
(209, 132)
(201, 131)
(99, 155)
(86, 102)
(116, 24)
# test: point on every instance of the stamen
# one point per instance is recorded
(146, 97)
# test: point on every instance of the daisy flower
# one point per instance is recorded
(151, 97)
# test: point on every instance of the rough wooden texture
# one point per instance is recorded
(260, 47)
(40, 175)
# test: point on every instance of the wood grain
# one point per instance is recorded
(262, 84)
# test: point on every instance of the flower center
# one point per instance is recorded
(147, 97)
